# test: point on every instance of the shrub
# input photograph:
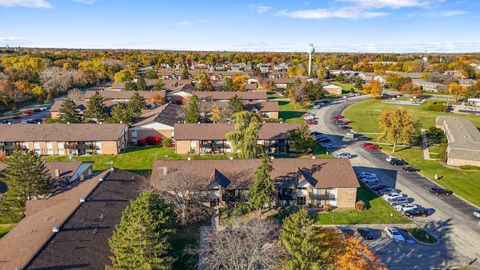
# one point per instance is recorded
(442, 152)
(360, 205)
(153, 140)
(3, 157)
(469, 167)
(328, 207)
(141, 142)
(167, 142)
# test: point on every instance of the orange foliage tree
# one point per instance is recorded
(373, 88)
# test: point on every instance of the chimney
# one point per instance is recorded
(57, 173)
(165, 171)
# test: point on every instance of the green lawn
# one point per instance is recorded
(5, 228)
(422, 235)
(364, 115)
(378, 212)
(134, 159)
(274, 95)
(347, 87)
(292, 113)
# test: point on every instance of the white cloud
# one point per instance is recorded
(322, 13)
(87, 2)
(259, 8)
(25, 3)
(394, 4)
(452, 13)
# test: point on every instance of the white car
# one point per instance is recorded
(388, 190)
(476, 213)
(369, 180)
(397, 201)
(344, 155)
(367, 174)
(394, 234)
(392, 195)
(406, 206)
(316, 107)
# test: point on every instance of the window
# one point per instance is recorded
(98, 147)
(50, 148)
(193, 145)
(61, 148)
(301, 201)
(36, 148)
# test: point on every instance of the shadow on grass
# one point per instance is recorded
(185, 238)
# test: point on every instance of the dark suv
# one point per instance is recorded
(440, 191)
(397, 162)
(417, 212)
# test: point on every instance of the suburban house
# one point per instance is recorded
(156, 122)
(429, 86)
(225, 96)
(333, 89)
(80, 105)
(65, 139)
(71, 229)
(463, 140)
(239, 67)
(122, 96)
(267, 109)
(466, 82)
(303, 182)
(282, 82)
(264, 68)
(210, 138)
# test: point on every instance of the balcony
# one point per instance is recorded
(78, 146)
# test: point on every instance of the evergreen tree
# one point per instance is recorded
(141, 84)
(136, 104)
(159, 85)
(245, 136)
(235, 104)
(193, 110)
(141, 239)
(301, 140)
(120, 114)
(69, 112)
(131, 86)
(185, 73)
(96, 108)
(358, 83)
(227, 84)
(262, 191)
(304, 243)
(26, 177)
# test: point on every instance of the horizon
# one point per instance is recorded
(349, 26)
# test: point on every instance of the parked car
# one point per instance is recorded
(367, 174)
(394, 234)
(388, 190)
(316, 106)
(416, 212)
(379, 187)
(315, 133)
(344, 155)
(396, 161)
(323, 139)
(27, 112)
(369, 180)
(338, 116)
(406, 206)
(371, 146)
(309, 116)
(440, 191)
(366, 233)
(409, 169)
(311, 122)
(476, 213)
(397, 201)
(391, 195)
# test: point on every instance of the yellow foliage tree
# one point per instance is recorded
(397, 126)
(216, 113)
(456, 90)
(373, 88)
(238, 82)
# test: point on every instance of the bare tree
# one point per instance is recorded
(187, 193)
(75, 94)
(56, 80)
(250, 246)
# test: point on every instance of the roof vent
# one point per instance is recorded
(55, 230)
(314, 157)
(189, 158)
(231, 158)
(272, 157)
(68, 123)
(82, 200)
(100, 179)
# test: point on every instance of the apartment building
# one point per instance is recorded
(65, 139)
(303, 182)
(211, 138)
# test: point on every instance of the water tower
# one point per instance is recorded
(310, 51)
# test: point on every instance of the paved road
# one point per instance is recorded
(451, 218)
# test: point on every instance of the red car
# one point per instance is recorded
(311, 122)
(337, 117)
(342, 121)
(371, 146)
(27, 112)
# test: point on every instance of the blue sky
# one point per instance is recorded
(269, 25)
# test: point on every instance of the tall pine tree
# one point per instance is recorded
(96, 109)
(136, 104)
(193, 110)
(304, 243)
(235, 104)
(262, 191)
(245, 136)
(141, 239)
(68, 112)
(26, 177)
(120, 114)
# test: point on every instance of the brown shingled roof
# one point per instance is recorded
(238, 173)
(219, 95)
(167, 114)
(217, 131)
(61, 132)
(108, 94)
(23, 242)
